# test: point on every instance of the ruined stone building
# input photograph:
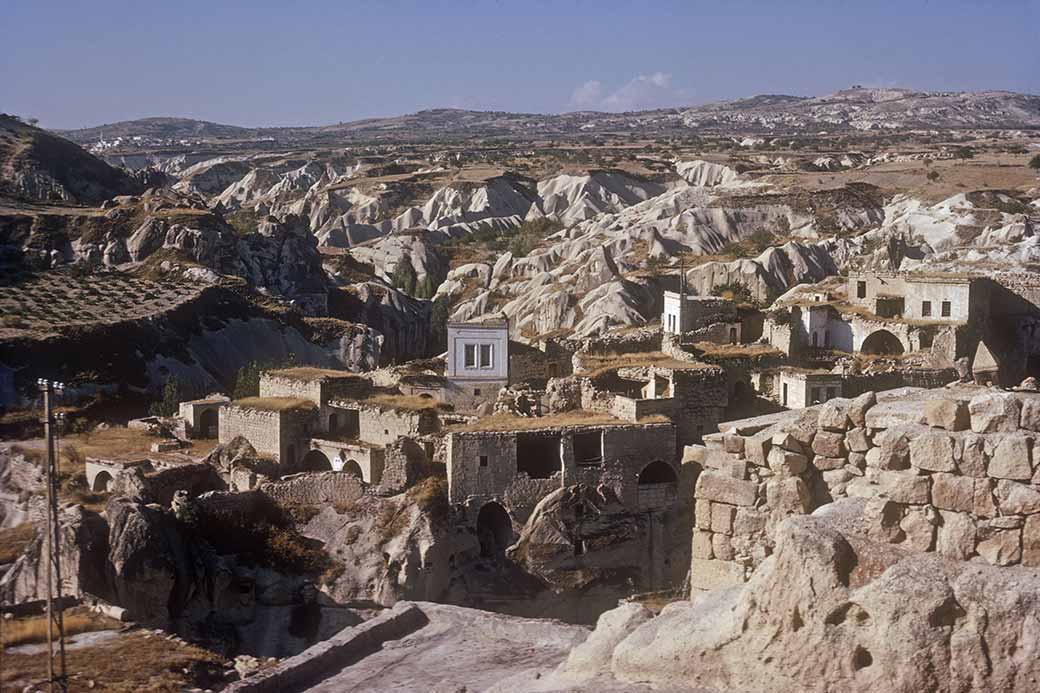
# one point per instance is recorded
(701, 318)
(501, 475)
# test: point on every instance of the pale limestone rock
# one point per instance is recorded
(1017, 499)
(702, 514)
(1030, 417)
(789, 496)
(950, 414)
(999, 546)
(701, 544)
(983, 505)
(785, 440)
(834, 416)
(882, 518)
(857, 440)
(1012, 459)
(1031, 542)
(733, 444)
(790, 463)
(956, 535)
(933, 452)
(708, 574)
(591, 657)
(905, 488)
(829, 444)
(725, 489)
(894, 449)
(721, 547)
(950, 492)
(919, 530)
(748, 521)
(858, 407)
(994, 412)
(722, 518)
(858, 460)
(972, 461)
(828, 463)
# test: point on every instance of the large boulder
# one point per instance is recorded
(832, 610)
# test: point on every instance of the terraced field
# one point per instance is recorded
(41, 304)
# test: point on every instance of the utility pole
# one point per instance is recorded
(55, 605)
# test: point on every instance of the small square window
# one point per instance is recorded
(861, 289)
(483, 460)
(946, 309)
(476, 392)
(926, 309)
(485, 356)
(471, 355)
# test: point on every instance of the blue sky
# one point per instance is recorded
(74, 64)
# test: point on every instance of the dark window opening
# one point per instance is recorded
(316, 461)
(784, 402)
(476, 392)
(209, 422)
(946, 308)
(579, 547)
(588, 449)
(732, 335)
(926, 309)
(483, 461)
(554, 370)
(538, 454)
(817, 394)
(353, 468)
(832, 392)
(926, 340)
(861, 289)
(349, 422)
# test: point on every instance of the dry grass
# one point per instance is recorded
(275, 403)
(406, 402)
(508, 422)
(309, 374)
(138, 661)
(27, 631)
(595, 365)
(118, 442)
(736, 350)
(14, 540)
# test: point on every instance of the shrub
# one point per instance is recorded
(1034, 163)
(170, 401)
(735, 291)
(933, 175)
(963, 153)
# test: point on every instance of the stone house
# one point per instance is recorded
(701, 318)
(202, 416)
(800, 388)
(277, 427)
(514, 469)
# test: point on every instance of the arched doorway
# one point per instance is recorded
(335, 422)
(494, 530)
(882, 342)
(209, 424)
(657, 486)
(353, 468)
(102, 482)
(316, 461)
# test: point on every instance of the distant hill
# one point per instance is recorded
(857, 108)
(158, 129)
(38, 165)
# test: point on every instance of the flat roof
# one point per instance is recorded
(275, 403)
(309, 374)
(581, 418)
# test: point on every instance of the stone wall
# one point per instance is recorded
(950, 470)
(535, 365)
(314, 489)
(382, 426)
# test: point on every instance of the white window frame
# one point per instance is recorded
(490, 356)
(469, 355)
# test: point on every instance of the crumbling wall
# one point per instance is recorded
(382, 426)
(956, 475)
(321, 488)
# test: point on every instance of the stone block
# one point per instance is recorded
(1014, 498)
(702, 514)
(722, 518)
(710, 574)
(695, 453)
(949, 414)
(933, 452)
(784, 462)
(702, 544)
(829, 444)
(983, 504)
(853, 470)
(894, 449)
(738, 469)
(748, 521)
(725, 489)
(881, 518)
(786, 441)
(999, 546)
(972, 461)
(919, 530)
(1031, 542)
(721, 547)
(756, 448)
(857, 440)
(858, 407)
(789, 496)
(956, 535)
(858, 460)
(732, 443)
(1030, 417)
(1012, 459)
(903, 487)
(836, 477)
(834, 416)
(827, 463)
(995, 412)
(950, 492)
(873, 458)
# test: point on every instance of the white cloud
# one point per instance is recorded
(640, 93)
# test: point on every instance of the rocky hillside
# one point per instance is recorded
(38, 165)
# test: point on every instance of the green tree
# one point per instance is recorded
(403, 277)
(171, 398)
(1034, 163)
(247, 380)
